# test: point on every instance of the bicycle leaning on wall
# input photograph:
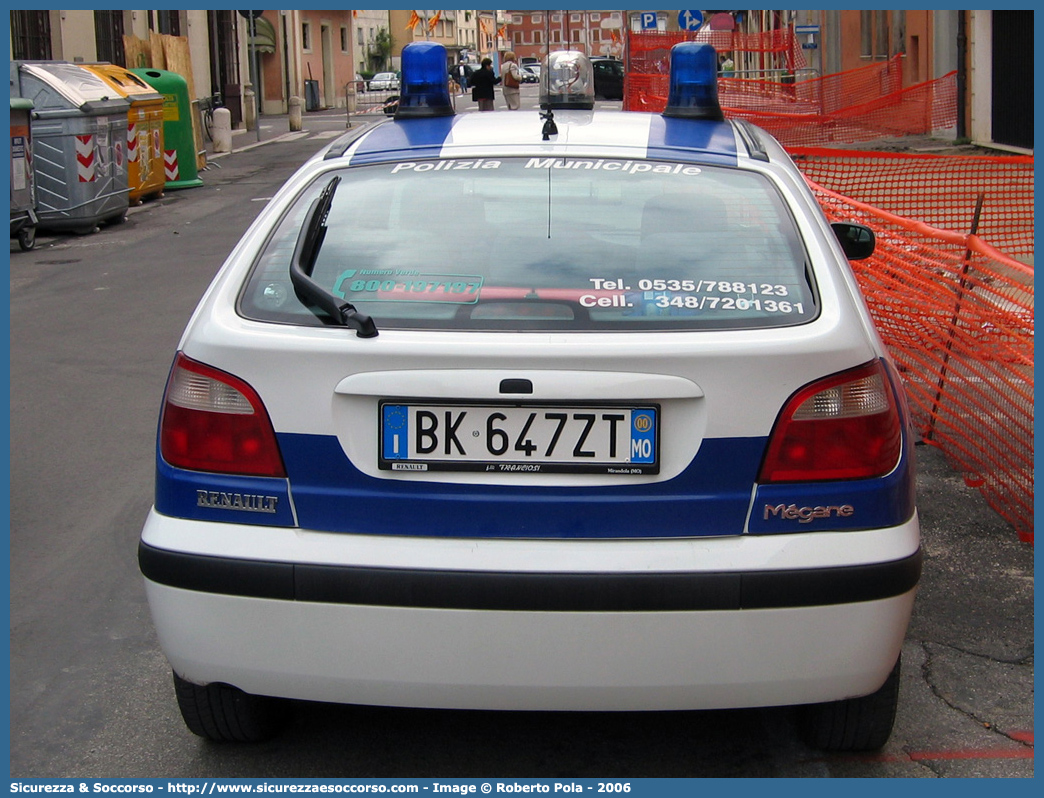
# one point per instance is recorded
(206, 112)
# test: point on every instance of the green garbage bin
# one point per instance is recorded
(179, 142)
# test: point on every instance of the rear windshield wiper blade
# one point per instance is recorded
(309, 242)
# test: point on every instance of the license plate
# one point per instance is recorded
(603, 439)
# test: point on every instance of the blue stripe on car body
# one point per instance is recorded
(712, 497)
(680, 140)
(417, 138)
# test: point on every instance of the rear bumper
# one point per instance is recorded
(620, 625)
(437, 589)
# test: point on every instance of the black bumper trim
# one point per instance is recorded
(542, 592)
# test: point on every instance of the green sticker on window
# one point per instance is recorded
(408, 285)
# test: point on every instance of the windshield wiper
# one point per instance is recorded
(309, 242)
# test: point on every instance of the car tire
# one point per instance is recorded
(854, 724)
(223, 713)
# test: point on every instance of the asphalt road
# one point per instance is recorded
(94, 323)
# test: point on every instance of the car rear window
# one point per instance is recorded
(540, 243)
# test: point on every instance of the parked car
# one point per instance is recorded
(627, 440)
(529, 74)
(608, 78)
(384, 81)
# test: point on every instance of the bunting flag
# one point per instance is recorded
(434, 21)
(414, 21)
(614, 36)
(502, 33)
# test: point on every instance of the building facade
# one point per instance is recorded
(371, 40)
(314, 58)
(990, 51)
(533, 34)
(317, 55)
(425, 26)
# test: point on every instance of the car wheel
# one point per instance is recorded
(854, 724)
(224, 713)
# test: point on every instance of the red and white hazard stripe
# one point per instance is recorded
(132, 142)
(170, 164)
(85, 161)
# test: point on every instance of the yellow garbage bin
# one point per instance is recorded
(145, 172)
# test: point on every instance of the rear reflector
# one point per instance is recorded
(846, 426)
(215, 422)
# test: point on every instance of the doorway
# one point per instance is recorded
(1013, 68)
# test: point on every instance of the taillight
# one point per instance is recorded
(843, 427)
(213, 421)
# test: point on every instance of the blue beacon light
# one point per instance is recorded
(425, 82)
(693, 92)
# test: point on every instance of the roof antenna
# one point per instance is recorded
(550, 128)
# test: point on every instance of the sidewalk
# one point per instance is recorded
(276, 127)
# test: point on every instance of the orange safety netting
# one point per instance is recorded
(939, 190)
(821, 95)
(648, 52)
(916, 110)
(858, 105)
(774, 91)
(957, 316)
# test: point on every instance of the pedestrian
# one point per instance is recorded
(463, 70)
(482, 82)
(512, 77)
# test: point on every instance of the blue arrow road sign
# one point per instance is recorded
(690, 20)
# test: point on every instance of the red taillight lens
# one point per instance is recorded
(213, 421)
(843, 427)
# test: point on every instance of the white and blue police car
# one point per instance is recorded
(557, 409)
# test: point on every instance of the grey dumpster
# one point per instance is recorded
(78, 144)
(23, 195)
